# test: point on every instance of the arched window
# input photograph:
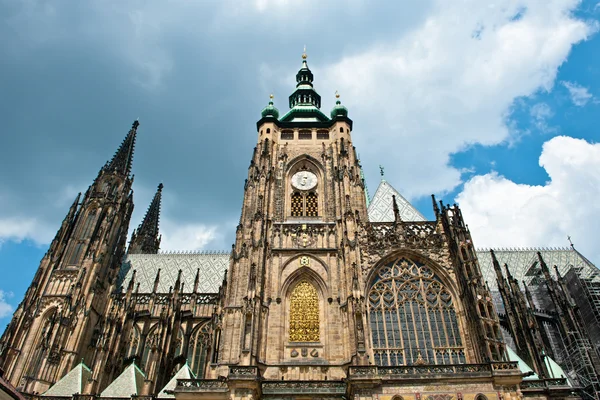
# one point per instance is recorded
(297, 206)
(152, 344)
(134, 342)
(197, 354)
(179, 343)
(76, 254)
(481, 396)
(88, 226)
(412, 317)
(304, 313)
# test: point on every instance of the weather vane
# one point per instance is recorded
(381, 170)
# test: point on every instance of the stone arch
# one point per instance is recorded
(414, 255)
(198, 353)
(45, 331)
(135, 341)
(318, 266)
(305, 162)
(305, 274)
(406, 289)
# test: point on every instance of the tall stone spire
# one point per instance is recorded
(121, 161)
(145, 240)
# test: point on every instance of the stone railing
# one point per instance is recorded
(201, 385)
(419, 371)
(304, 387)
(505, 366)
(543, 383)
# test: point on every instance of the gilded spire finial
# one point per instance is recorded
(337, 94)
(271, 96)
(304, 53)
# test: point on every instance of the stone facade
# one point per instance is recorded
(317, 302)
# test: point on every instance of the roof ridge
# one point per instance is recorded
(523, 249)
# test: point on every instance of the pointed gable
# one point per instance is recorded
(183, 373)
(381, 208)
(130, 382)
(72, 383)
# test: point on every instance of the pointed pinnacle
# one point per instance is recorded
(122, 160)
(146, 240)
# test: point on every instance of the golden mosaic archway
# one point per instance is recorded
(304, 313)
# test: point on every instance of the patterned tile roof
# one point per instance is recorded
(72, 383)
(524, 266)
(212, 266)
(129, 383)
(381, 209)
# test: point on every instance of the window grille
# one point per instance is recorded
(304, 313)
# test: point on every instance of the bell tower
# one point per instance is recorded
(292, 267)
(52, 328)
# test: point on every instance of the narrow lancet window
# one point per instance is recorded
(197, 354)
(297, 205)
(312, 205)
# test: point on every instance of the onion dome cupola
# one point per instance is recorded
(305, 93)
(305, 102)
(338, 110)
(270, 110)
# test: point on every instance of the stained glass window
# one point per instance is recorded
(304, 313)
(412, 317)
(197, 354)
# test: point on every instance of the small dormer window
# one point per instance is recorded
(268, 130)
(341, 129)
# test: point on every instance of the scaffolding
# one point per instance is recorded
(578, 363)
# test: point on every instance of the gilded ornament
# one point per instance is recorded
(304, 313)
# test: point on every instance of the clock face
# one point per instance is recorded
(304, 180)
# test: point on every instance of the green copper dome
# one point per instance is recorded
(338, 110)
(270, 110)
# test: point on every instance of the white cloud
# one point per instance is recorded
(502, 213)
(579, 94)
(186, 236)
(18, 229)
(540, 113)
(5, 308)
(439, 89)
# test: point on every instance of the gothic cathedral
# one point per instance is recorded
(315, 299)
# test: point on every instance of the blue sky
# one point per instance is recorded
(493, 105)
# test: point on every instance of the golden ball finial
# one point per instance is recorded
(271, 96)
(337, 95)
(304, 53)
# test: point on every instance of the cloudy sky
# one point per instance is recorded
(491, 104)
